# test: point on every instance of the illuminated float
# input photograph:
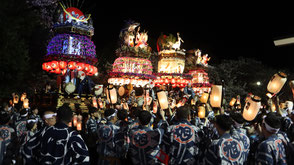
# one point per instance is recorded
(171, 62)
(196, 66)
(132, 65)
(72, 56)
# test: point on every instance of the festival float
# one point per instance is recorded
(171, 62)
(72, 56)
(196, 66)
(132, 67)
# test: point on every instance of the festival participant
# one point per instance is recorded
(8, 140)
(238, 122)
(49, 118)
(110, 142)
(188, 90)
(180, 141)
(57, 144)
(228, 148)
(144, 141)
(20, 125)
(34, 115)
(271, 150)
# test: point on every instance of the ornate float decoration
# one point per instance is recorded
(71, 49)
(132, 65)
(171, 62)
(196, 66)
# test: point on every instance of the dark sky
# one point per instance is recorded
(223, 32)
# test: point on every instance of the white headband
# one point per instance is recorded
(238, 125)
(32, 120)
(24, 115)
(109, 117)
(47, 116)
(270, 129)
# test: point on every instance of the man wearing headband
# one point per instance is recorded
(49, 118)
(271, 150)
(110, 146)
(58, 144)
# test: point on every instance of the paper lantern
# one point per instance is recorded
(72, 65)
(94, 101)
(79, 126)
(23, 96)
(80, 66)
(75, 120)
(251, 108)
(216, 96)
(277, 82)
(204, 98)
(162, 98)
(113, 95)
(232, 102)
(62, 64)
(201, 112)
(54, 64)
(26, 103)
(15, 99)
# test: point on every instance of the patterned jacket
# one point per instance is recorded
(7, 134)
(180, 143)
(57, 144)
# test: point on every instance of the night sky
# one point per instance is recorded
(222, 32)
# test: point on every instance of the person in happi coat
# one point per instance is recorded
(180, 141)
(111, 145)
(228, 149)
(272, 149)
(238, 122)
(49, 118)
(58, 144)
(8, 140)
(144, 141)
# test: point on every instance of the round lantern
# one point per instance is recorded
(72, 65)
(162, 98)
(216, 96)
(201, 112)
(251, 108)
(80, 66)
(204, 98)
(54, 64)
(62, 64)
(277, 82)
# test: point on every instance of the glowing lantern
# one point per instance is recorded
(75, 120)
(162, 98)
(94, 101)
(216, 96)
(79, 126)
(15, 99)
(251, 108)
(72, 65)
(277, 82)
(232, 102)
(26, 103)
(113, 95)
(201, 112)
(23, 96)
(173, 81)
(62, 64)
(80, 66)
(204, 98)
(57, 71)
(87, 67)
(48, 66)
(54, 64)
(44, 66)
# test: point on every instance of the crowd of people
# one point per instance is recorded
(136, 135)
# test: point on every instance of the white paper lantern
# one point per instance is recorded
(162, 98)
(216, 96)
(113, 95)
(251, 108)
(204, 98)
(277, 82)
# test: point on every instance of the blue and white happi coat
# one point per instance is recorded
(57, 144)
(144, 145)
(228, 149)
(180, 143)
(7, 133)
(271, 151)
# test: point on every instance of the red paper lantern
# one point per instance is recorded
(57, 71)
(62, 64)
(173, 81)
(80, 66)
(72, 65)
(48, 66)
(54, 64)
